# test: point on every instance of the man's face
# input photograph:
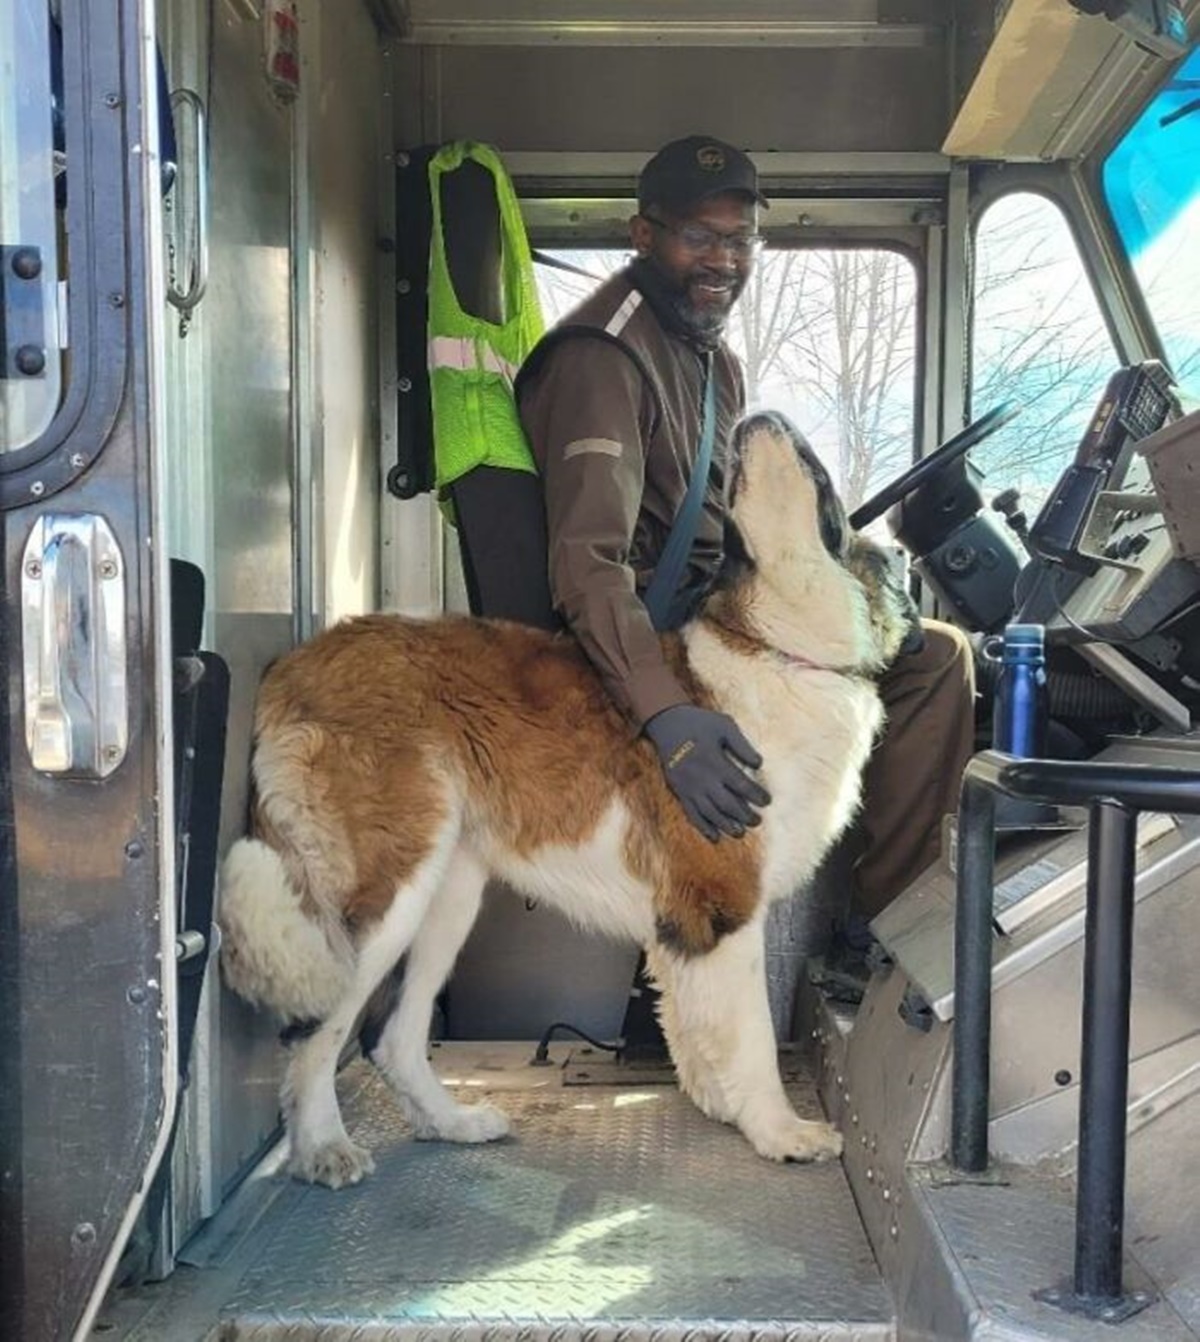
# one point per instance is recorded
(705, 255)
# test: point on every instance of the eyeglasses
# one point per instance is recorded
(697, 238)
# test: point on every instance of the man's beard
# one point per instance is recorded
(704, 322)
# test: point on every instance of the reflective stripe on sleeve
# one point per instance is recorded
(606, 447)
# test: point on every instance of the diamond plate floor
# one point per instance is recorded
(1010, 1242)
(611, 1213)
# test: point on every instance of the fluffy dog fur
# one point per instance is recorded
(399, 765)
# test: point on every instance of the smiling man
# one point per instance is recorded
(614, 404)
(617, 402)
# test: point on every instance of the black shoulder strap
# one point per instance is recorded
(578, 331)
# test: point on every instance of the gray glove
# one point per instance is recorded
(697, 749)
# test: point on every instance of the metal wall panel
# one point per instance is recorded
(248, 390)
(248, 310)
(606, 98)
(344, 155)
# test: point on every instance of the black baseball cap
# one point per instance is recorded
(687, 171)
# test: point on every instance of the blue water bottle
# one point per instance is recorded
(1019, 715)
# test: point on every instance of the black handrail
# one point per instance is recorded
(1114, 795)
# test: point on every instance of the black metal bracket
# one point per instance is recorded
(915, 1011)
(1114, 795)
(22, 313)
(1101, 1309)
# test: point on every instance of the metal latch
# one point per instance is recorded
(74, 654)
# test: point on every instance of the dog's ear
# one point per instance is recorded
(895, 618)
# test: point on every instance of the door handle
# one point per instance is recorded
(74, 646)
(194, 268)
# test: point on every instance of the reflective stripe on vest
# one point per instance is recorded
(463, 354)
(472, 362)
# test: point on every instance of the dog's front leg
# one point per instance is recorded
(716, 1016)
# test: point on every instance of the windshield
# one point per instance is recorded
(826, 335)
(1152, 184)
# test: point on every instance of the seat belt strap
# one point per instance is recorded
(660, 596)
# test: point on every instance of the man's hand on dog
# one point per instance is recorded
(698, 749)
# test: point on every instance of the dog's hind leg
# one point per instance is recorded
(321, 1152)
(717, 1020)
(401, 1053)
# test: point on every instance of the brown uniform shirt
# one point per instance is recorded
(613, 415)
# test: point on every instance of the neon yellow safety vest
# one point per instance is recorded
(472, 362)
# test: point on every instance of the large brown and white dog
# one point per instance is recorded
(400, 764)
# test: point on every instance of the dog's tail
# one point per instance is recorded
(274, 951)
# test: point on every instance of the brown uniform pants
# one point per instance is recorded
(914, 774)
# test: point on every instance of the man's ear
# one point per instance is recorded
(641, 235)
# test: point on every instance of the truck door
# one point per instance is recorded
(87, 941)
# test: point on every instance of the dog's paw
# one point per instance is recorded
(786, 1137)
(334, 1164)
(467, 1123)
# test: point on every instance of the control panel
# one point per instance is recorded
(1137, 536)
(1135, 404)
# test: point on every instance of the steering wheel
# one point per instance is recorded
(925, 469)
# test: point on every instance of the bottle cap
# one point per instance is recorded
(1024, 643)
(1024, 635)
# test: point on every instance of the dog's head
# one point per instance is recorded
(781, 498)
(786, 524)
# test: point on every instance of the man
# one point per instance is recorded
(613, 404)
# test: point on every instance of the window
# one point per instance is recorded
(30, 160)
(827, 336)
(1151, 182)
(1038, 338)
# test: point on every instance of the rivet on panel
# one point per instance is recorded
(26, 263)
(30, 360)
